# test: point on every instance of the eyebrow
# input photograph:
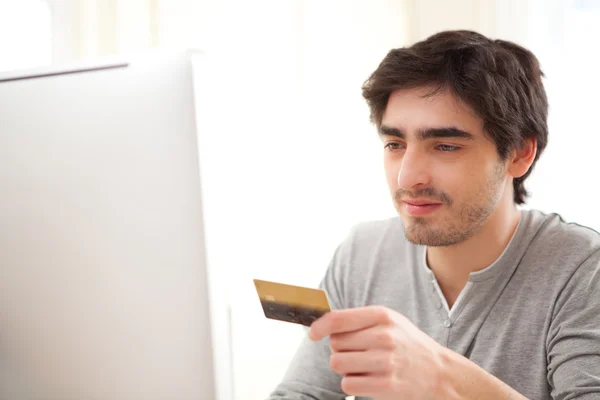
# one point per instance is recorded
(429, 133)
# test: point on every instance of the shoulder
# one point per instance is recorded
(565, 253)
(571, 252)
(364, 258)
(561, 238)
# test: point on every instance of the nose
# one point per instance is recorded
(414, 171)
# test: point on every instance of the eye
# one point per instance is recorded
(447, 148)
(393, 146)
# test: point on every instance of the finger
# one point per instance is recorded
(350, 341)
(375, 337)
(361, 362)
(353, 319)
(368, 385)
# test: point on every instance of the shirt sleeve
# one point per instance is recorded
(309, 376)
(573, 343)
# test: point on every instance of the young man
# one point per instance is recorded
(465, 296)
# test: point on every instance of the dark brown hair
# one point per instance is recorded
(500, 80)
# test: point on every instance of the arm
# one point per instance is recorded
(381, 354)
(463, 379)
(573, 348)
(309, 376)
(573, 343)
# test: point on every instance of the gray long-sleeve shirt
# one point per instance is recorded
(532, 318)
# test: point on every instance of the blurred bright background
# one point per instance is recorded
(298, 161)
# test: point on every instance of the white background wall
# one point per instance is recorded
(20, 45)
(302, 162)
(298, 163)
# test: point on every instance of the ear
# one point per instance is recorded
(522, 158)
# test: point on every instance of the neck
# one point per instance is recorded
(453, 264)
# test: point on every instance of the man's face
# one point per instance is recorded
(444, 174)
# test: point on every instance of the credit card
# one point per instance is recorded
(289, 303)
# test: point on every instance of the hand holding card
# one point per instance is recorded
(296, 304)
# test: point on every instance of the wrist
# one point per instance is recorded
(460, 378)
(449, 368)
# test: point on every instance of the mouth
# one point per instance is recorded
(420, 207)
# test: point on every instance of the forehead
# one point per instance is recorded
(415, 109)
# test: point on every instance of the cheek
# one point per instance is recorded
(456, 180)
(391, 174)
(467, 184)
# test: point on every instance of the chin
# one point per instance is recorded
(415, 220)
(430, 239)
(427, 235)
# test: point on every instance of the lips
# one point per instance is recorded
(421, 207)
(421, 202)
